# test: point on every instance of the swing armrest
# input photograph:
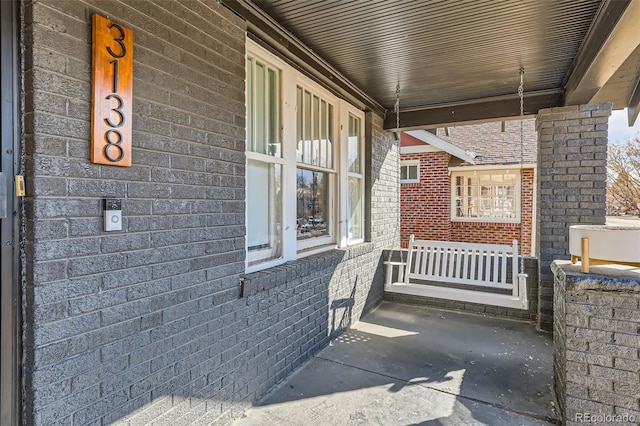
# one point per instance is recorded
(390, 265)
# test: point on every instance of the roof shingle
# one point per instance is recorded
(492, 146)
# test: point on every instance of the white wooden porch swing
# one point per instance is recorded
(490, 274)
(478, 270)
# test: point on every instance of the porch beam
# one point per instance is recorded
(612, 38)
(634, 105)
(265, 30)
(473, 111)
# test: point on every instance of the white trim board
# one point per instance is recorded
(441, 145)
(493, 167)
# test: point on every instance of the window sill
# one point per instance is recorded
(486, 221)
(281, 275)
(315, 250)
(357, 250)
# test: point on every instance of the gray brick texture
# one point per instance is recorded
(596, 344)
(572, 161)
(152, 324)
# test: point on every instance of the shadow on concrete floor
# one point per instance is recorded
(403, 365)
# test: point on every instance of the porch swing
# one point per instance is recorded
(460, 271)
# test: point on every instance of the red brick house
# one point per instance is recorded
(473, 183)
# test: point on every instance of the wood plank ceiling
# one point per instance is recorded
(444, 53)
(440, 51)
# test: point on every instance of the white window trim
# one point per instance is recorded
(331, 239)
(293, 249)
(346, 110)
(254, 49)
(492, 167)
(274, 262)
(406, 163)
(484, 170)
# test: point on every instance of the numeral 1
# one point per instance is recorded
(115, 75)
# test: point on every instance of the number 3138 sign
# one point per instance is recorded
(112, 98)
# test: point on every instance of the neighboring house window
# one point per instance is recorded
(305, 165)
(486, 195)
(410, 171)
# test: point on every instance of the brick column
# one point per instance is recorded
(596, 342)
(572, 174)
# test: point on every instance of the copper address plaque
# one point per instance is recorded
(112, 96)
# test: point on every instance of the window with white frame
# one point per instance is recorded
(264, 162)
(353, 154)
(486, 195)
(315, 170)
(305, 165)
(410, 171)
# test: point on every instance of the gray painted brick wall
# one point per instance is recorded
(597, 344)
(572, 173)
(149, 323)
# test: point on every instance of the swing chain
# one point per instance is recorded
(521, 96)
(521, 92)
(396, 107)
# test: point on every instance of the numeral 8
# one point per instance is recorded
(113, 144)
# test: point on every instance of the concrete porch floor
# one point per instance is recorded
(410, 365)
